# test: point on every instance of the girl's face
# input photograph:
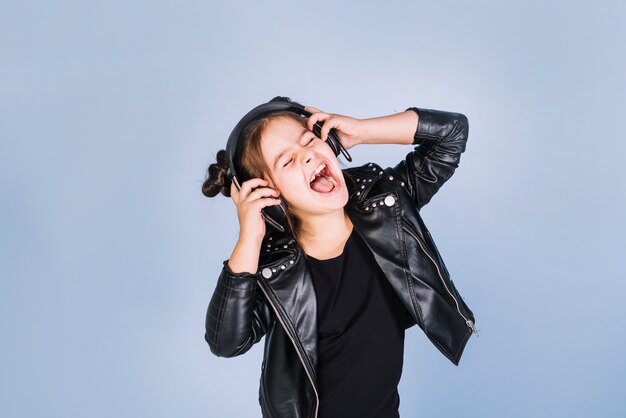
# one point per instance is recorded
(294, 155)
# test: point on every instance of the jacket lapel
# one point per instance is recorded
(378, 220)
(291, 284)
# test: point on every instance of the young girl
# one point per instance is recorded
(334, 293)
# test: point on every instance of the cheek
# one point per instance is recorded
(323, 148)
(293, 187)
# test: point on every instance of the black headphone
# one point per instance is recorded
(273, 214)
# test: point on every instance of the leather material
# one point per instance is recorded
(278, 301)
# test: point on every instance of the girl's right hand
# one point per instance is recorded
(249, 204)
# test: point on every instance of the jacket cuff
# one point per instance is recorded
(437, 125)
(415, 135)
(240, 275)
(424, 124)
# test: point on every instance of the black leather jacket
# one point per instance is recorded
(278, 301)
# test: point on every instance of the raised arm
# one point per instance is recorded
(439, 136)
(238, 315)
(440, 139)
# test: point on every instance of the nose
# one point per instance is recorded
(306, 156)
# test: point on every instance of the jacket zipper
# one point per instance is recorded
(469, 323)
(291, 337)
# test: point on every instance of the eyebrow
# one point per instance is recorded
(279, 156)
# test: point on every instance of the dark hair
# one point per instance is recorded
(251, 160)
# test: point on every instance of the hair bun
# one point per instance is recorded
(216, 180)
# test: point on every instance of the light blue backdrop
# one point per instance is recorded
(110, 113)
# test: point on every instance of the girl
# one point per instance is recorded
(356, 266)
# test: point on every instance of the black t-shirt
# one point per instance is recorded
(360, 335)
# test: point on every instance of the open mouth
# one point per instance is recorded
(322, 180)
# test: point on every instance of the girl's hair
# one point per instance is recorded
(251, 160)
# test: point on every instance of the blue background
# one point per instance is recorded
(110, 113)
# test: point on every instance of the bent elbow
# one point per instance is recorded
(464, 125)
(220, 349)
(217, 349)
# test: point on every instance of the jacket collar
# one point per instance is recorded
(279, 248)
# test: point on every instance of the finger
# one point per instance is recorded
(316, 117)
(262, 192)
(234, 193)
(311, 109)
(266, 201)
(328, 125)
(247, 186)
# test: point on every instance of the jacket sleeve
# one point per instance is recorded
(238, 315)
(440, 139)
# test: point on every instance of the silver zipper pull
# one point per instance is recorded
(472, 327)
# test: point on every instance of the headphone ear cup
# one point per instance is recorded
(275, 215)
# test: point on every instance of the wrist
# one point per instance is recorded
(398, 128)
(244, 258)
(249, 242)
(366, 131)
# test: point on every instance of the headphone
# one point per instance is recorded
(274, 215)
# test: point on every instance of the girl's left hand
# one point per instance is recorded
(347, 128)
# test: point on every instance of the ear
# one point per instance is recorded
(270, 182)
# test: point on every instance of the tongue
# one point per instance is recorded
(322, 185)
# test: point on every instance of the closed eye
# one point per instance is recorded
(290, 160)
